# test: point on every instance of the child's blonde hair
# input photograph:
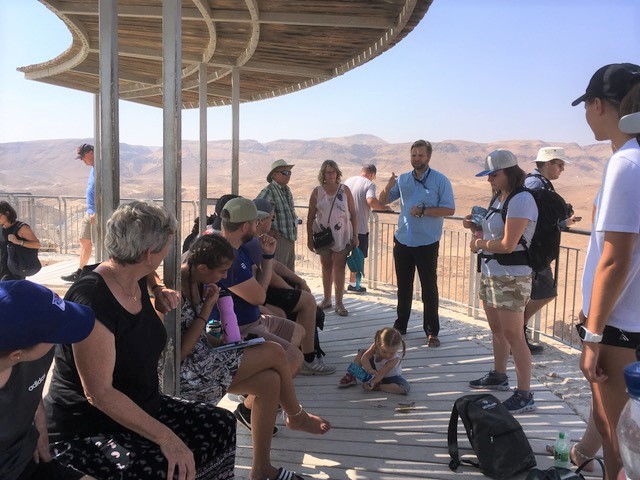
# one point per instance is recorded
(390, 338)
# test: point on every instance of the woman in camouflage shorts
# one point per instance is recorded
(505, 284)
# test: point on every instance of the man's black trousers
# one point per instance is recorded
(425, 259)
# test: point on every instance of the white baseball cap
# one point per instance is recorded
(630, 123)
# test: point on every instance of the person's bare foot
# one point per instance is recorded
(309, 423)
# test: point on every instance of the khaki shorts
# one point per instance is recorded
(506, 292)
(270, 327)
(86, 229)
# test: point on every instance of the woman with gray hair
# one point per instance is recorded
(331, 207)
(104, 401)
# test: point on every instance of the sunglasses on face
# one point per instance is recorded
(286, 173)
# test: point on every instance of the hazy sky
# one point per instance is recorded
(477, 70)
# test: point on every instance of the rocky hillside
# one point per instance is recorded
(49, 166)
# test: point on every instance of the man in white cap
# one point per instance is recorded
(285, 223)
(550, 164)
(32, 320)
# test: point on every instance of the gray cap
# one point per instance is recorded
(497, 160)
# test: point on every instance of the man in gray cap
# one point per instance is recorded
(285, 223)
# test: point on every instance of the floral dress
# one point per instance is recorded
(205, 375)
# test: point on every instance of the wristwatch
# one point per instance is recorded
(588, 336)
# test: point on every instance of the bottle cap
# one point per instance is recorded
(632, 379)
(561, 435)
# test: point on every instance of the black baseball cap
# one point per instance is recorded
(611, 82)
(83, 149)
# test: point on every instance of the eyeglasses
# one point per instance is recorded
(558, 163)
(286, 173)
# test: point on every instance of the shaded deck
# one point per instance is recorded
(371, 438)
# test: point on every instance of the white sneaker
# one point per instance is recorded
(317, 367)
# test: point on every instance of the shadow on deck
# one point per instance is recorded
(371, 438)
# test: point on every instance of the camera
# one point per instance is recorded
(570, 211)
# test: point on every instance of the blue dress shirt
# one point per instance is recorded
(432, 189)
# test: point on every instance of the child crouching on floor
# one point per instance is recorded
(384, 361)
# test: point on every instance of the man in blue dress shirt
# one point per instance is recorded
(426, 197)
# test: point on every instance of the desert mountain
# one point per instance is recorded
(48, 167)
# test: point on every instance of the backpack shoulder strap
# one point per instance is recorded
(452, 439)
(508, 199)
(545, 181)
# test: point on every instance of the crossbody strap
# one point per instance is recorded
(332, 203)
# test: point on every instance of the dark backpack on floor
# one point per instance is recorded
(495, 435)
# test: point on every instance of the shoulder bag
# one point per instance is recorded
(22, 261)
(324, 238)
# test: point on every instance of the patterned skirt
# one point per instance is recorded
(209, 431)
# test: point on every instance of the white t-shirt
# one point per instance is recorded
(361, 189)
(618, 210)
(521, 205)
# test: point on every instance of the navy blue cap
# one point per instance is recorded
(31, 314)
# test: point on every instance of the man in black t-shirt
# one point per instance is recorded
(32, 320)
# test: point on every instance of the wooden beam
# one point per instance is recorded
(233, 16)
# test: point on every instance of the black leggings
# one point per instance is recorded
(209, 431)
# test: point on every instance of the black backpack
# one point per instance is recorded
(495, 435)
(545, 243)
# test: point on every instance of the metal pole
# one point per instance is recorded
(108, 162)
(235, 134)
(203, 145)
(98, 225)
(172, 170)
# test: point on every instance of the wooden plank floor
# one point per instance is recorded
(371, 438)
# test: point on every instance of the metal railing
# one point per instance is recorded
(56, 220)
(458, 279)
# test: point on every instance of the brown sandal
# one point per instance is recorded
(325, 305)
(433, 341)
(340, 310)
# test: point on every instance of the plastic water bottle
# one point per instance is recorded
(561, 451)
(228, 318)
(629, 424)
(214, 328)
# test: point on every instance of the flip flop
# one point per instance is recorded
(284, 474)
(433, 341)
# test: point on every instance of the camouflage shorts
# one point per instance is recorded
(505, 292)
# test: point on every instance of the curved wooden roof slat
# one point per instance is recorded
(280, 46)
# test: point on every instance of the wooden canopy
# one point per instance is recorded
(280, 46)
